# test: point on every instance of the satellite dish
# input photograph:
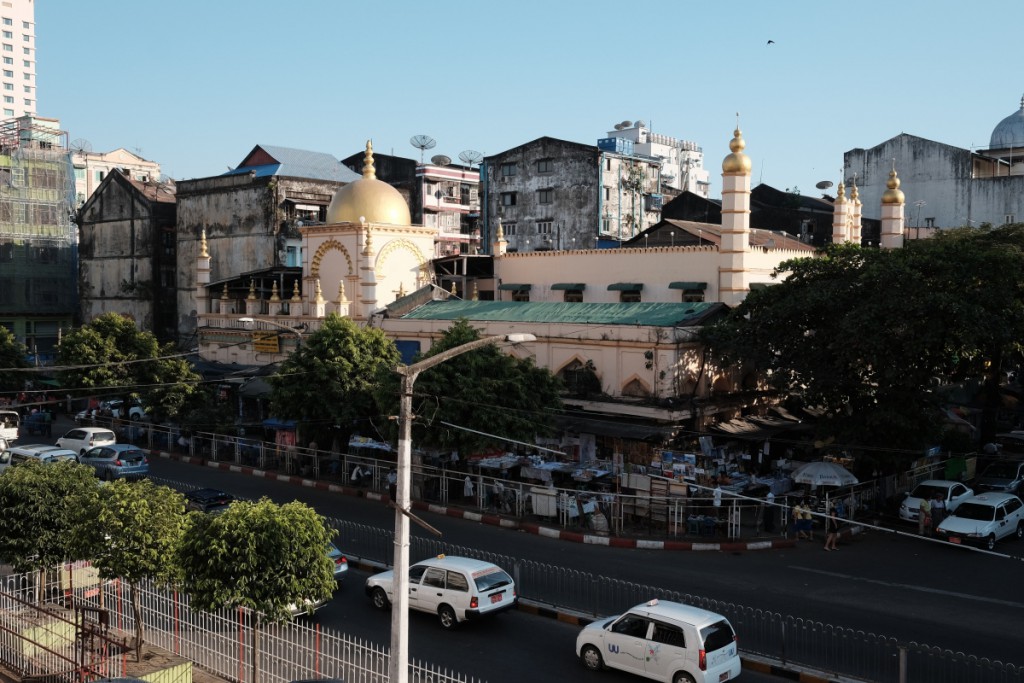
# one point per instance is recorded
(440, 160)
(626, 124)
(81, 145)
(422, 142)
(471, 156)
(824, 185)
(618, 126)
(640, 124)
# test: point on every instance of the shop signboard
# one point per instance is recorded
(265, 342)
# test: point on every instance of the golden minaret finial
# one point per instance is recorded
(454, 291)
(401, 290)
(203, 251)
(841, 190)
(476, 293)
(368, 170)
(274, 296)
(319, 298)
(855, 193)
(894, 195)
(295, 293)
(224, 293)
(252, 290)
(501, 230)
(341, 292)
(368, 247)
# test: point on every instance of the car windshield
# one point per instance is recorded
(928, 491)
(976, 511)
(1000, 470)
(495, 579)
(717, 635)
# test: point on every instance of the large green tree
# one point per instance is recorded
(12, 355)
(477, 400)
(42, 506)
(327, 383)
(133, 532)
(260, 556)
(870, 334)
(110, 357)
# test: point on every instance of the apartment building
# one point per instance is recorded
(18, 54)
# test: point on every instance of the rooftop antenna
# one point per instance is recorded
(81, 146)
(471, 157)
(440, 160)
(422, 142)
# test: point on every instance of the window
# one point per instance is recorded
(9, 60)
(27, 63)
(8, 112)
(508, 170)
(543, 227)
(26, 50)
(8, 73)
(546, 166)
(8, 86)
(545, 196)
(8, 47)
(27, 88)
(631, 297)
(606, 225)
(457, 582)
(416, 573)
(631, 625)
(28, 102)
(1008, 218)
(8, 21)
(26, 37)
(26, 24)
(573, 296)
(669, 635)
(607, 193)
(99, 175)
(608, 164)
(434, 577)
(8, 35)
(508, 198)
(509, 229)
(8, 99)
(27, 76)
(18, 180)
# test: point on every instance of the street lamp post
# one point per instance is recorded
(398, 665)
(297, 331)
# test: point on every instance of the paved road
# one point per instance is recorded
(899, 586)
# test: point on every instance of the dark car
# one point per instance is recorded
(209, 500)
(1003, 476)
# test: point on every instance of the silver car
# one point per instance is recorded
(116, 461)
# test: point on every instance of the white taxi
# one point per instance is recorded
(665, 641)
(456, 589)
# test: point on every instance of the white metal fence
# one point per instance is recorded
(220, 642)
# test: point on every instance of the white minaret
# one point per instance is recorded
(855, 214)
(732, 273)
(368, 283)
(840, 216)
(892, 213)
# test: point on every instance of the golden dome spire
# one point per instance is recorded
(252, 290)
(401, 290)
(368, 170)
(274, 295)
(454, 291)
(295, 293)
(501, 230)
(893, 195)
(341, 292)
(319, 298)
(841, 192)
(737, 162)
(203, 252)
(855, 193)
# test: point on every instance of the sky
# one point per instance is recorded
(196, 85)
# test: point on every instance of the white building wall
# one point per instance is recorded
(92, 167)
(18, 52)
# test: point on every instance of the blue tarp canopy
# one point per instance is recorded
(277, 423)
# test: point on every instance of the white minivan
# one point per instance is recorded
(665, 641)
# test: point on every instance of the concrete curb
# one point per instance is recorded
(494, 519)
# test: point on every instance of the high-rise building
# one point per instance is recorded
(18, 52)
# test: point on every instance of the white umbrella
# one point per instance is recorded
(823, 474)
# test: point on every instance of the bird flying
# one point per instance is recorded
(771, 42)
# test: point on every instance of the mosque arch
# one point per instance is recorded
(321, 251)
(389, 250)
(636, 387)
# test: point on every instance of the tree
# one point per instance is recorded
(42, 506)
(260, 556)
(342, 361)
(486, 390)
(864, 333)
(12, 356)
(112, 357)
(134, 530)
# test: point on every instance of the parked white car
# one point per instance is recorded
(456, 589)
(953, 492)
(665, 641)
(985, 519)
(82, 439)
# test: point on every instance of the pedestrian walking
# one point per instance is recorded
(769, 512)
(467, 489)
(938, 510)
(831, 529)
(807, 519)
(924, 517)
(798, 521)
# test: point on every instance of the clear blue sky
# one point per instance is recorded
(195, 85)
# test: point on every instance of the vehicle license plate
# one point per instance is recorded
(724, 676)
(954, 539)
(496, 597)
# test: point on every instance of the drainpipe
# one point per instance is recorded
(600, 196)
(485, 230)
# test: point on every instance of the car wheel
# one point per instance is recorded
(447, 616)
(380, 598)
(990, 542)
(1020, 530)
(108, 475)
(682, 677)
(590, 657)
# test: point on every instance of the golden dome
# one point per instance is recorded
(893, 195)
(369, 199)
(737, 162)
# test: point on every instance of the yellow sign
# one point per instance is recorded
(265, 342)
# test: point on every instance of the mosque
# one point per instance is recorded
(947, 186)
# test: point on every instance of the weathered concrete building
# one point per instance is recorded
(556, 195)
(126, 251)
(252, 217)
(946, 186)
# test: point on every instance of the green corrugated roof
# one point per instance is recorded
(657, 314)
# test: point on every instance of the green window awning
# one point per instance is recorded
(688, 285)
(569, 285)
(626, 287)
(509, 287)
